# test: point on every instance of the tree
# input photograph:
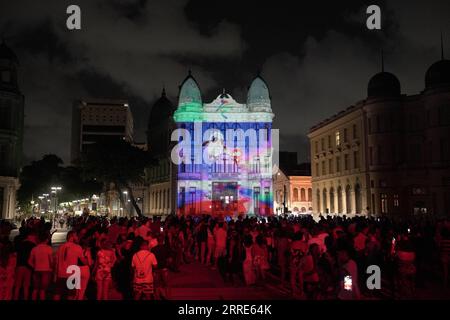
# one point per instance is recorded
(116, 161)
(39, 176)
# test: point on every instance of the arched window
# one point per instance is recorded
(348, 199)
(324, 199)
(332, 200)
(309, 194)
(302, 195)
(358, 208)
(295, 194)
(318, 200)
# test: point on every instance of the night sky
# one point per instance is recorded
(316, 56)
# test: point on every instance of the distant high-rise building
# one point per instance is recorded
(11, 131)
(97, 120)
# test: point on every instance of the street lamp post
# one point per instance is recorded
(126, 201)
(55, 204)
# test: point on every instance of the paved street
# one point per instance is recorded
(195, 281)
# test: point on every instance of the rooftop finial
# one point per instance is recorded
(163, 93)
(382, 60)
(190, 72)
(223, 90)
(442, 47)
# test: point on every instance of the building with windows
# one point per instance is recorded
(387, 154)
(160, 193)
(11, 131)
(95, 120)
(292, 186)
(224, 152)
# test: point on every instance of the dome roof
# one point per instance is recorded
(258, 93)
(438, 74)
(189, 91)
(383, 84)
(7, 53)
(162, 110)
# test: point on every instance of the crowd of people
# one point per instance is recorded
(323, 259)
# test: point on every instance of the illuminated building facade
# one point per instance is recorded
(224, 152)
(389, 154)
(11, 131)
(292, 186)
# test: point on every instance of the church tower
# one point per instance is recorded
(11, 131)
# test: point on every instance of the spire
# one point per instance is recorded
(382, 60)
(442, 47)
(163, 93)
(223, 90)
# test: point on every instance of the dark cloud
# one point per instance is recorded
(317, 57)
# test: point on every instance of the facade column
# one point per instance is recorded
(336, 207)
(353, 200)
(344, 201)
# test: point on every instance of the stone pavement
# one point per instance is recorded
(196, 281)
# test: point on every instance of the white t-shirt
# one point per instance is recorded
(143, 262)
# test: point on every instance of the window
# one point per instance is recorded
(396, 201)
(5, 115)
(379, 155)
(345, 135)
(329, 142)
(444, 115)
(6, 76)
(338, 139)
(302, 195)
(309, 194)
(322, 144)
(338, 164)
(256, 192)
(444, 149)
(330, 166)
(317, 169)
(345, 161)
(355, 133)
(356, 159)
(369, 124)
(324, 169)
(316, 146)
(3, 153)
(295, 197)
(370, 155)
(384, 203)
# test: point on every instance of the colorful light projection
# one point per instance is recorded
(224, 152)
(223, 175)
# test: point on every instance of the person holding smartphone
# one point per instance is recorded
(348, 284)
